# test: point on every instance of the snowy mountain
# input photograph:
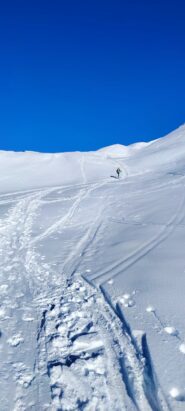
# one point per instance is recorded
(92, 312)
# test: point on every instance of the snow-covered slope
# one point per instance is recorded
(118, 150)
(19, 171)
(165, 153)
(92, 279)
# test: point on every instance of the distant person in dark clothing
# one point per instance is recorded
(118, 171)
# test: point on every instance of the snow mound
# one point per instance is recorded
(166, 152)
(119, 150)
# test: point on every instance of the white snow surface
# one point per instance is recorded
(92, 279)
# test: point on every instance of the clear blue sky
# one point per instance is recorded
(83, 74)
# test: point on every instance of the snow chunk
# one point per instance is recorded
(150, 309)
(2, 312)
(171, 331)
(178, 395)
(88, 342)
(15, 340)
(182, 348)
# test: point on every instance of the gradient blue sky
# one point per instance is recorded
(83, 74)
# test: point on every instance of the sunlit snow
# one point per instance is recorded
(92, 279)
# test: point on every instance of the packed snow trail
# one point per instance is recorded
(80, 343)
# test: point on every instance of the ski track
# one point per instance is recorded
(85, 349)
(82, 166)
(108, 400)
(141, 398)
(123, 264)
(80, 358)
(84, 192)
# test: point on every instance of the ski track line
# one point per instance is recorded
(165, 185)
(140, 399)
(115, 269)
(112, 393)
(71, 265)
(75, 257)
(74, 261)
(107, 391)
(133, 361)
(138, 359)
(82, 167)
(65, 219)
(145, 392)
(133, 370)
(52, 229)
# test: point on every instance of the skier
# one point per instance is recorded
(118, 171)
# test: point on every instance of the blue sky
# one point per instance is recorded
(80, 75)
